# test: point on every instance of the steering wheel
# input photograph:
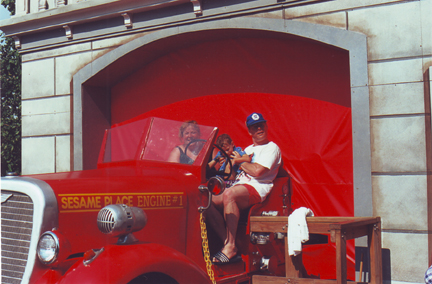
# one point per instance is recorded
(223, 174)
(194, 141)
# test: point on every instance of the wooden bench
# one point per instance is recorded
(340, 230)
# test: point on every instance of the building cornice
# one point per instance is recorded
(98, 19)
(79, 13)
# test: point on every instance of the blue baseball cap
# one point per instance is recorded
(254, 118)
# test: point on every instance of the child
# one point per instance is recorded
(237, 155)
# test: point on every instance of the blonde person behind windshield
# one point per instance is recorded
(188, 132)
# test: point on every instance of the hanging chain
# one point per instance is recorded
(206, 249)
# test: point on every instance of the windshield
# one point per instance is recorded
(157, 139)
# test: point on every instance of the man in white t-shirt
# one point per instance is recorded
(252, 186)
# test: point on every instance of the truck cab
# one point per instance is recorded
(137, 218)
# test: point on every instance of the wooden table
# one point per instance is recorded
(340, 229)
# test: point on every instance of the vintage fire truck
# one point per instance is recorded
(135, 219)
(138, 218)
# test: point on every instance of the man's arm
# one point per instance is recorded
(254, 169)
(267, 157)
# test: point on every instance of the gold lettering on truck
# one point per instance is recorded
(90, 202)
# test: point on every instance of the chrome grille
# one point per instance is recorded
(16, 229)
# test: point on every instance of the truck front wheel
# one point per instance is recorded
(153, 278)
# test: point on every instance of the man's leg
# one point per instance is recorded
(235, 199)
(215, 218)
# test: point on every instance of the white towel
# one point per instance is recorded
(298, 232)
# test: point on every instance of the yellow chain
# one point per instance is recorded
(206, 249)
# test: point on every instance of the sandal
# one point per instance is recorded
(223, 259)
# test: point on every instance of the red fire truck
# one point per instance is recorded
(135, 219)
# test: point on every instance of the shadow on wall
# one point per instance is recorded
(362, 254)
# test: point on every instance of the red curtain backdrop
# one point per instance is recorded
(301, 87)
(314, 136)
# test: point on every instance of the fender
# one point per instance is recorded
(122, 263)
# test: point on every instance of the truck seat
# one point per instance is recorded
(279, 199)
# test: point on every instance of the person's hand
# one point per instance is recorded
(235, 155)
(221, 160)
(237, 159)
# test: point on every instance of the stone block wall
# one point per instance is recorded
(47, 141)
(399, 35)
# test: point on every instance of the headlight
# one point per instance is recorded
(48, 247)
